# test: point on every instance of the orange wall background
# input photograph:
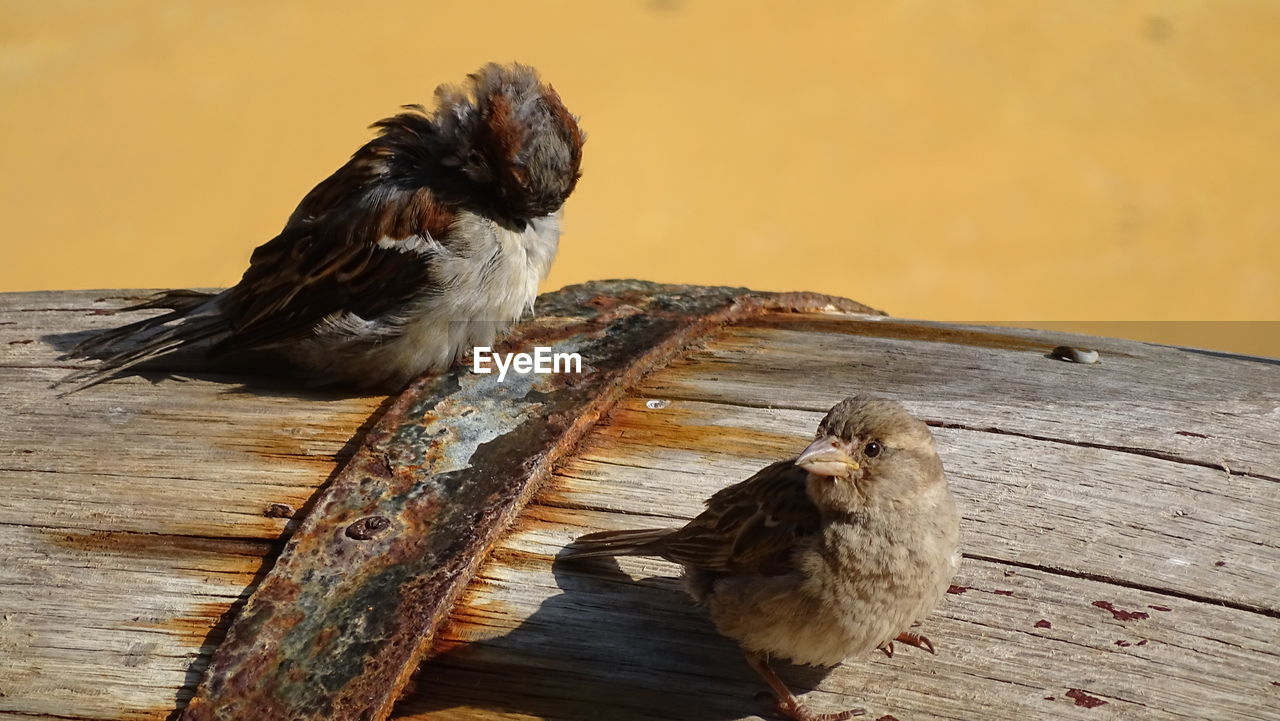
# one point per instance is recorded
(1002, 160)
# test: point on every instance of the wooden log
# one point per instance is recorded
(1120, 522)
(1118, 565)
(336, 628)
(135, 518)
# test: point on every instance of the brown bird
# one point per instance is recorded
(832, 553)
(431, 240)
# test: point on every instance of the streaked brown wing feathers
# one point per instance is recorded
(750, 526)
(331, 262)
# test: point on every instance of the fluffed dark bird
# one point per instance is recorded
(430, 240)
(832, 553)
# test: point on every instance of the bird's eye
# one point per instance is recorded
(872, 449)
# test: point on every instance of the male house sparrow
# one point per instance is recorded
(819, 557)
(432, 239)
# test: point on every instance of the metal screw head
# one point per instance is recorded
(368, 527)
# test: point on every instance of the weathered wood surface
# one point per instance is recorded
(342, 619)
(1121, 523)
(134, 517)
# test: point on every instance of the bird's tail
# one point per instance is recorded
(617, 543)
(193, 317)
(187, 300)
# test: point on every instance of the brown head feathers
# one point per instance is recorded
(504, 137)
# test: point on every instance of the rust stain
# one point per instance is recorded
(606, 303)
(520, 560)
(197, 625)
(1191, 434)
(1159, 608)
(541, 514)
(279, 510)
(681, 430)
(20, 342)
(469, 618)
(1003, 593)
(1123, 644)
(451, 480)
(554, 494)
(202, 555)
(156, 545)
(474, 616)
(609, 309)
(1042, 623)
(1121, 614)
(1082, 698)
(958, 589)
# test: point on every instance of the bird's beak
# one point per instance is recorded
(824, 457)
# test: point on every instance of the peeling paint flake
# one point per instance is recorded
(1121, 614)
(1084, 699)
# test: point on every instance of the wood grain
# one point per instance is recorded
(1199, 406)
(1116, 568)
(535, 640)
(1079, 510)
(134, 516)
(1120, 521)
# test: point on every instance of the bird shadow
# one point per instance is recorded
(607, 646)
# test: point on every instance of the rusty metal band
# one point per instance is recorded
(340, 622)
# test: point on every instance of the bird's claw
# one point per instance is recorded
(785, 702)
(796, 711)
(887, 648)
(913, 639)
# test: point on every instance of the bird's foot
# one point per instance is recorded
(796, 711)
(785, 702)
(913, 639)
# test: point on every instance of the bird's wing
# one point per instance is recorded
(358, 243)
(750, 526)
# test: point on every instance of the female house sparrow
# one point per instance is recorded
(432, 239)
(832, 553)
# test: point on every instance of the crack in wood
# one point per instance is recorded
(1112, 580)
(1133, 450)
(935, 423)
